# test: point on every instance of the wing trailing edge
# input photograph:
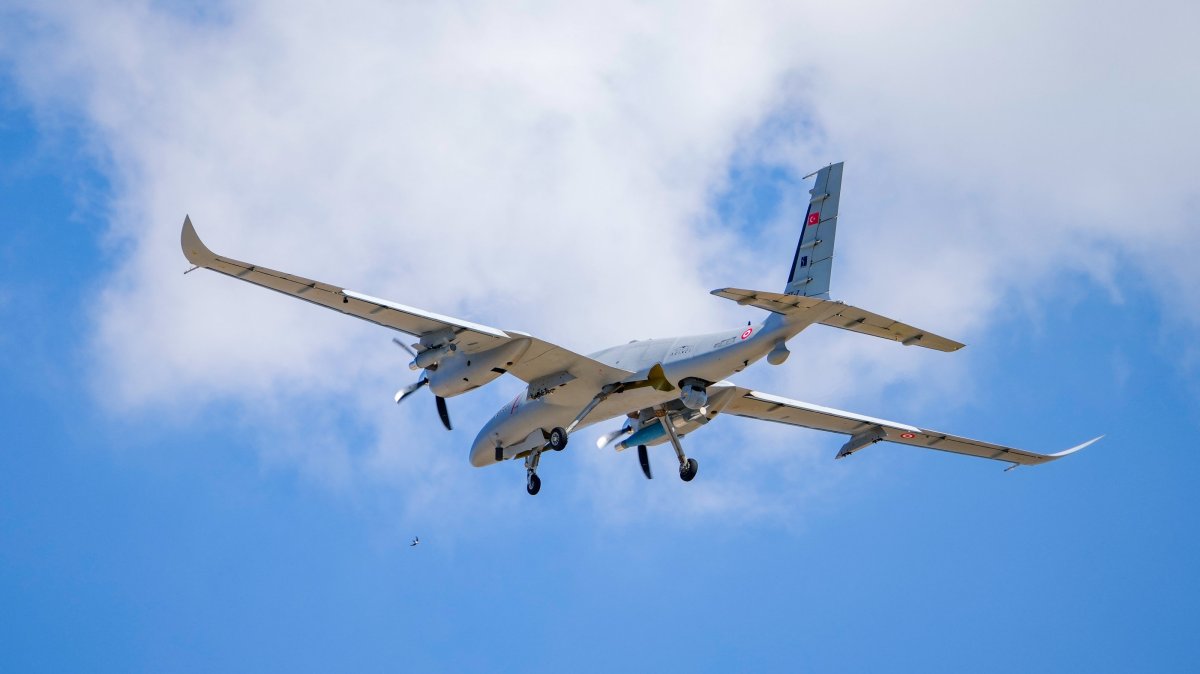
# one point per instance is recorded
(865, 431)
(839, 315)
(540, 359)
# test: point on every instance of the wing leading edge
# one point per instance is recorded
(541, 359)
(865, 431)
(846, 317)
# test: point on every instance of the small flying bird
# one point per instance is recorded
(415, 542)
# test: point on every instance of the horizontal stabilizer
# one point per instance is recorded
(845, 317)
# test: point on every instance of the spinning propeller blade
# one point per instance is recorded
(410, 389)
(606, 439)
(644, 459)
(443, 412)
(404, 346)
(403, 393)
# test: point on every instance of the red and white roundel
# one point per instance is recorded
(747, 333)
(908, 436)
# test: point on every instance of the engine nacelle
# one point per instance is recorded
(693, 393)
(461, 372)
(431, 357)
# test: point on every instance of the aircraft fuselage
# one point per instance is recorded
(521, 425)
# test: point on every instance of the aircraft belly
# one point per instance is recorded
(512, 429)
(709, 357)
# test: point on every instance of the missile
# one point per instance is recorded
(643, 436)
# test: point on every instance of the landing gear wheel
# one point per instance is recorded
(688, 470)
(534, 484)
(558, 439)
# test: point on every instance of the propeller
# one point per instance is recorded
(643, 455)
(644, 460)
(443, 411)
(606, 439)
(411, 389)
(404, 346)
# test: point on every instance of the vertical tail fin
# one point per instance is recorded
(813, 263)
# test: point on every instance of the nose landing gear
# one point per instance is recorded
(555, 440)
(533, 483)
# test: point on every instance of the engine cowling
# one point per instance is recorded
(462, 372)
(693, 393)
(431, 357)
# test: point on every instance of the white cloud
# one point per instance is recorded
(553, 169)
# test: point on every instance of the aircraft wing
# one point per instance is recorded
(865, 431)
(540, 360)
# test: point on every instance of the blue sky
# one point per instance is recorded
(197, 477)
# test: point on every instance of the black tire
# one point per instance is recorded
(534, 485)
(558, 439)
(688, 471)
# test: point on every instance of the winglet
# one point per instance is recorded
(1047, 458)
(1074, 449)
(193, 248)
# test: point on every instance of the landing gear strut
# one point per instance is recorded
(555, 440)
(687, 467)
(533, 483)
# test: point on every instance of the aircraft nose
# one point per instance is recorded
(483, 450)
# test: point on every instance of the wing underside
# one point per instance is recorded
(541, 359)
(864, 430)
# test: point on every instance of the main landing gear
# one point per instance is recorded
(687, 470)
(687, 467)
(557, 441)
(533, 484)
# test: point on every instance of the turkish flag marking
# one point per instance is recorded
(814, 218)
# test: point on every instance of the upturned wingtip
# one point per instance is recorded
(1076, 448)
(193, 248)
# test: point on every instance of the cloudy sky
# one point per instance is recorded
(198, 474)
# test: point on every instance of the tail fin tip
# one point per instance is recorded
(812, 265)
